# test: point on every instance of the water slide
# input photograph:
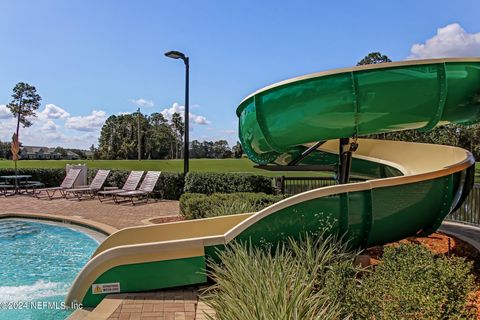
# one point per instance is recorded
(308, 123)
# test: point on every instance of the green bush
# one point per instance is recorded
(284, 283)
(208, 183)
(198, 205)
(169, 185)
(50, 177)
(410, 283)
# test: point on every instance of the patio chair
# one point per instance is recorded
(131, 184)
(145, 189)
(67, 183)
(91, 190)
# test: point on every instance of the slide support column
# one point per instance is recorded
(346, 148)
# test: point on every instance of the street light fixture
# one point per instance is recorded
(179, 55)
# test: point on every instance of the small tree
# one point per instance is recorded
(374, 58)
(61, 151)
(237, 150)
(178, 127)
(25, 102)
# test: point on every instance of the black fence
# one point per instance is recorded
(295, 185)
(469, 212)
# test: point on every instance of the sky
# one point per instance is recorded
(91, 59)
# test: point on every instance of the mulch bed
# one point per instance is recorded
(442, 244)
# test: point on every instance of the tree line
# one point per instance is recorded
(159, 139)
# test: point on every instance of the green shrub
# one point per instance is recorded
(208, 183)
(50, 177)
(410, 283)
(171, 185)
(198, 205)
(285, 283)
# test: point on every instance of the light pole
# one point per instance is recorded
(179, 55)
(139, 139)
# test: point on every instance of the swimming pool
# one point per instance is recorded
(38, 263)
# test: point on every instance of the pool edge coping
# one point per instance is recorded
(87, 223)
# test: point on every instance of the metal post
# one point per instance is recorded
(186, 154)
(345, 154)
(139, 147)
(186, 60)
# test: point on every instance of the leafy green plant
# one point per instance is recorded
(198, 205)
(285, 282)
(212, 182)
(410, 283)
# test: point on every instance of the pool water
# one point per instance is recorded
(38, 263)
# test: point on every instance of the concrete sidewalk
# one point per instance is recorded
(465, 232)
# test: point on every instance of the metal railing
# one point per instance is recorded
(295, 185)
(469, 212)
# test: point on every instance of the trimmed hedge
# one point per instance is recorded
(50, 177)
(169, 185)
(198, 205)
(209, 183)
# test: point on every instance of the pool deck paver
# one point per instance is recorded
(116, 215)
(173, 304)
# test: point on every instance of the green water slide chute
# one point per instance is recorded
(357, 101)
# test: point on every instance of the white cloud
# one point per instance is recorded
(229, 131)
(142, 103)
(92, 122)
(176, 108)
(199, 119)
(52, 111)
(450, 41)
(49, 126)
(5, 112)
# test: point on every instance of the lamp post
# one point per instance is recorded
(179, 55)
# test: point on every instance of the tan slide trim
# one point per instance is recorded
(444, 161)
(179, 230)
(131, 254)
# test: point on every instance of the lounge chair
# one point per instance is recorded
(145, 189)
(131, 184)
(67, 183)
(91, 190)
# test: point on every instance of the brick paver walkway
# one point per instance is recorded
(172, 304)
(116, 215)
(165, 304)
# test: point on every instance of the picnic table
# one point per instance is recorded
(17, 183)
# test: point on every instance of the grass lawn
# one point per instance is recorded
(200, 165)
